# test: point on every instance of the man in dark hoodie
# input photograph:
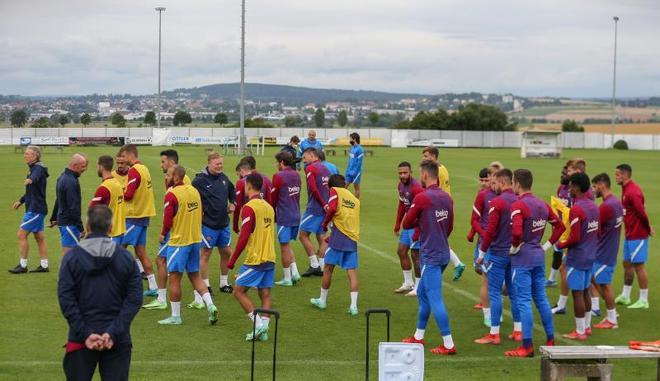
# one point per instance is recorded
(100, 292)
(218, 201)
(35, 212)
(67, 210)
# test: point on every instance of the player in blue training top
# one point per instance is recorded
(433, 212)
(331, 166)
(310, 142)
(529, 217)
(354, 168)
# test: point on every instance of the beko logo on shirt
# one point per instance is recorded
(538, 224)
(348, 203)
(592, 226)
(325, 180)
(267, 221)
(192, 205)
(441, 214)
(294, 190)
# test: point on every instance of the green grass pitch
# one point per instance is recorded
(326, 345)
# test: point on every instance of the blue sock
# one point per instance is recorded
(527, 343)
(551, 337)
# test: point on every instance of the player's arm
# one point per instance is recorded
(517, 219)
(494, 214)
(231, 191)
(450, 228)
(133, 183)
(240, 189)
(605, 213)
(400, 211)
(311, 184)
(130, 307)
(576, 216)
(333, 202)
(268, 187)
(477, 210)
(169, 211)
(411, 219)
(66, 293)
(101, 197)
(56, 208)
(274, 192)
(247, 227)
(638, 205)
(558, 228)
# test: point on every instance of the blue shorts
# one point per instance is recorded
(136, 235)
(33, 222)
(215, 237)
(578, 280)
(183, 258)
(353, 179)
(636, 251)
(311, 223)
(250, 276)
(162, 247)
(602, 273)
(285, 234)
(347, 260)
(118, 239)
(70, 235)
(406, 239)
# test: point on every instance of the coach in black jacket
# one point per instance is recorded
(66, 212)
(100, 292)
(218, 200)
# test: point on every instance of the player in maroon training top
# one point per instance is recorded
(246, 166)
(636, 245)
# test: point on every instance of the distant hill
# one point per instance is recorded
(289, 94)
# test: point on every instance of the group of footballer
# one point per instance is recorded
(508, 219)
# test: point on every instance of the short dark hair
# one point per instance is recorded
(179, 171)
(321, 155)
(286, 158)
(250, 161)
(625, 168)
(99, 219)
(337, 181)
(255, 180)
(311, 150)
(603, 178)
(430, 167)
(505, 174)
(432, 150)
(129, 148)
(171, 154)
(524, 177)
(484, 172)
(405, 164)
(580, 180)
(355, 136)
(242, 165)
(106, 162)
(294, 139)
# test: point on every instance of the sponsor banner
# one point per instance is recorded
(139, 140)
(92, 141)
(220, 140)
(434, 143)
(42, 140)
(179, 139)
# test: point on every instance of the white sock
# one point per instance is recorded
(448, 341)
(416, 283)
(223, 280)
(256, 319)
(23, 262)
(151, 278)
(294, 269)
(562, 301)
(139, 263)
(206, 282)
(486, 312)
(644, 295)
(494, 330)
(407, 277)
(517, 326)
(43, 263)
(587, 319)
(206, 297)
(611, 316)
(314, 261)
(626, 291)
(162, 295)
(176, 309)
(455, 261)
(419, 334)
(354, 296)
(579, 325)
(198, 297)
(595, 304)
(322, 262)
(287, 273)
(553, 275)
(265, 320)
(324, 294)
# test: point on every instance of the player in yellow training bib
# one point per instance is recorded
(111, 194)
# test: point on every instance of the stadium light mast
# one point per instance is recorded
(612, 128)
(241, 138)
(160, 11)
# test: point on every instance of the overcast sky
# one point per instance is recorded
(540, 47)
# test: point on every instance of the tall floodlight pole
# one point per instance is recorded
(160, 15)
(241, 138)
(616, 23)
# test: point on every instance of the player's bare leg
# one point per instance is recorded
(406, 267)
(225, 253)
(23, 245)
(356, 187)
(628, 278)
(40, 238)
(323, 246)
(611, 319)
(175, 300)
(459, 266)
(581, 304)
(595, 299)
(141, 253)
(414, 255)
(354, 285)
(485, 301)
(201, 288)
(287, 260)
(326, 281)
(642, 279)
(314, 265)
(560, 307)
(240, 294)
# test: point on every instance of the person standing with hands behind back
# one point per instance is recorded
(100, 292)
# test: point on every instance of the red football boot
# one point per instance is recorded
(520, 352)
(550, 343)
(587, 331)
(478, 306)
(516, 336)
(441, 350)
(606, 324)
(412, 340)
(575, 336)
(489, 339)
